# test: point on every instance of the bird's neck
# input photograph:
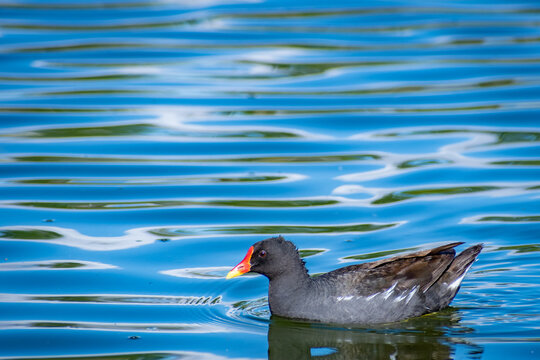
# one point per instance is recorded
(295, 277)
(295, 272)
(285, 291)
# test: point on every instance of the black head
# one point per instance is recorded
(271, 258)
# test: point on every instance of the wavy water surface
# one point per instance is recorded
(145, 145)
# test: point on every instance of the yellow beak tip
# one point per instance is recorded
(233, 273)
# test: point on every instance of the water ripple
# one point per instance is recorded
(145, 236)
(112, 299)
(133, 130)
(503, 219)
(54, 265)
(215, 159)
(216, 272)
(221, 179)
(162, 138)
(262, 203)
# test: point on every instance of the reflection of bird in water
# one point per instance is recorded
(382, 291)
(419, 338)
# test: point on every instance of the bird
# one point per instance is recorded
(383, 291)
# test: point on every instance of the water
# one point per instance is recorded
(145, 145)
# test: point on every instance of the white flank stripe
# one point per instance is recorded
(372, 296)
(411, 294)
(458, 281)
(389, 292)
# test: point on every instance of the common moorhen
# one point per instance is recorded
(382, 291)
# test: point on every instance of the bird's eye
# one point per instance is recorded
(262, 253)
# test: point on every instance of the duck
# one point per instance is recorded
(382, 291)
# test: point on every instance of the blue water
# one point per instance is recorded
(145, 145)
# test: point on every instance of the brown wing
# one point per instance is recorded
(422, 269)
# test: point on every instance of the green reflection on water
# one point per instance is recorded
(530, 218)
(101, 326)
(272, 203)
(515, 136)
(63, 265)
(128, 356)
(323, 111)
(369, 11)
(286, 112)
(526, 40)
(142, 45)
(198, 19)
(270, 229)
(91, 46)
(302, 69)
(501, 137)
(309, 252)
(265, 159)
(95, 92)
(118, 130)
(87, 46)
(410, 27)
(145, 129)
(176, 203)
(517, 162)
(412, 194)
(66, 298)
(106, 27)
(520, 248)
(77, 5)
(283, 229)
(374, 91)
(152, 181)
(74, 78)
(24, 110)
(422, 162)
(377, 254)
(30, 234)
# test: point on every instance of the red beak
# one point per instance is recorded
(243, 267)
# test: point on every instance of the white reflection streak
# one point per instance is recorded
(477, 139)
(493, 219)
(502, 189)
(69, 237)
(54, 265)
(207, 273)
(170, 119)
(116, 299)
(144, 236)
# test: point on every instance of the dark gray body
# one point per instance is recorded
(378, 292)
